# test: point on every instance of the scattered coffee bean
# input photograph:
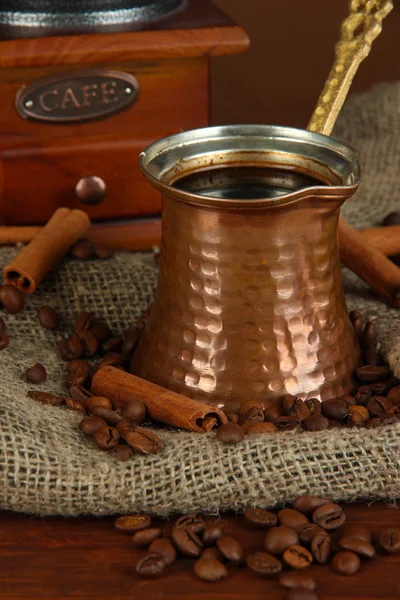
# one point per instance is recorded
(371, 356)
(36, 374)
(292, 579)
(389, 539)
(79, 372)
(78, 392)
(143, 441)
(378, 405)
(11, 299)
(143, 538)
(360, 547)
(230, 549)
(350, 400)
(152, 565)
(372, 374)
(103, 253)
(113, 359)
(300, 594)
(307, 504)
(357, 531)
(48, 317)
(106, 437)
(393, 218)
(122, 452)
(335, 409)
(358, 415)
(75, 405)
(315, 423)
(295, 408)
(2, 325)
(101, 331)
(363, 395)
(83, 321)
(4, 339)
(261, 428)
(129, 344)
(252, 416)
(192, 522)
(292, 518)
(134, 411)
(164, 547)
(113, 344)
(369, 335)
(394, 395)
(210, 570)
(46, 398)
(357, 321)
(71, 348)
(212, 553)
(132, 523)
(329, 516)
(264, 564)
(111, 417)
(97, 402)
(211, 534)
(279, 538)
(83, 249)
(346, 563)
(321, 546)
(308, 532)
(272, 409)
(232, 418)
(260, 518)
(230, 433)
(187, 542)
(90, 343)
(287, 424)
(297, 557)
(314, 405)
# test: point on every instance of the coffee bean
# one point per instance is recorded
(78, 392)
(369, 335)
(297, 557)
(363, 395)
(295, 408)
(164, 547)
(314, 406)
(292, 579)
(329, 516)
(371, 356)
(79, 372)
(260, 518)
(360, 547)
(187, 542)
(279, 538)
(378, 405)
(210, 570)
(101, 331)
(394, 395)
(106, 437)
(321, 546)
(97, 402)
(2, 325)
(134, 411)
(230, 433)
(89, 425)
(132, 523)
(357, 531)
(143, 538)
(48, 317)
(4, 339)
(350, 400)
(83, 321)
(357, 321)
(36, 374)
(307, 504)
(372, 374)
(300, 594)
(260, 428)
(292, 518)
(143, 441)
(389, 539)
(335, 409)
(103, 253)
(212, 553)
(74, 405)
(45, 398)
(287, 424)
(152, 565)
(346, 563)
(113, 344)
(111, 417)
(122, 452)
(315, 423)
(252, 416)
(11, 299)
(393, 218)
(381, 388)
(83, 249)
(357, 415)
(388, 419)
(90, 343)
(71, 348)
(264, 564)
(335, 424)
(232, 418)
(113, 359)
(249, 404)
(192, 522)
(308, 532)
(230, 549)
(129, 344)
(211, 534)
(272, 409)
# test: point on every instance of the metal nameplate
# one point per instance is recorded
(77, 96)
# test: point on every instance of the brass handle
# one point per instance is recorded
(91, 189)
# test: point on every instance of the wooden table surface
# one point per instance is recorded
(87, 559)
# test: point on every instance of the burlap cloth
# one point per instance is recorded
(48, 467)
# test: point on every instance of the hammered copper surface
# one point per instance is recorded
(250, 302)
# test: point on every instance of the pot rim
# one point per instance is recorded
(324, 157)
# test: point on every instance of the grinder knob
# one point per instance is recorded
(91, 189)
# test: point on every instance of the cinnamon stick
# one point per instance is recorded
(386, 239)
(46, 249)
(162, 405)
(369, 263)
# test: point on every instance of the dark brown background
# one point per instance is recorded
(279, 79)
